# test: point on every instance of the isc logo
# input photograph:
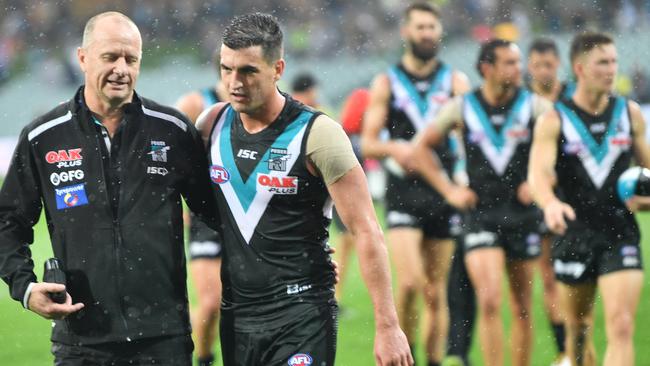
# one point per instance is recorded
(247, 154)
(277, 185)
(64, 158)
(300, 359)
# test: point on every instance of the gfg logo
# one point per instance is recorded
(300, 359)
(69, 176)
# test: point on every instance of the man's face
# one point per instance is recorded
(506, 70)
(111, 60)
(597, 68)
(248, 78)
(422, 33)
(543, 66)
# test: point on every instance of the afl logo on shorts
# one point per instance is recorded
(219, 174)
(300, 359)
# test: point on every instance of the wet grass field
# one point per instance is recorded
(24, 336)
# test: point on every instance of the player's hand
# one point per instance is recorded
(524, 195)
(555, 214)
(402, 153)
(392, 348)
(461, 197)
(638, 203)
(40, 302)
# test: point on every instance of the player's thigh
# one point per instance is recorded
(437, 254)
(578, 301)
(520, 280)
(621, 292)
(406, 253)
(206, 276)
(485, 267)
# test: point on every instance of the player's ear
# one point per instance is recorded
(81, 58)
(279, 68)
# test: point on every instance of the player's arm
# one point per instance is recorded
(191, 105)
(427, 164)
(541, 172)
(20, 209)
(206, 120)
(331, 157)
(541, 105)
(641, 154)
(374, 122)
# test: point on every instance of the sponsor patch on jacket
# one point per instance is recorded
(64, 158)
(71, 196)
(159, 151)
(277, 185)
(219, 174)
(300, 359)
(67, 176)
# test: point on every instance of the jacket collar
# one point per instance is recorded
(78, 107)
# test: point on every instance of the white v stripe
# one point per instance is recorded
(247, 220)
(598, 172)
(499, 160)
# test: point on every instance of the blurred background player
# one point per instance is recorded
(583, 146)
(204, 245)
(403, 100)
(543, 66)
(501, 229)
(304, 88)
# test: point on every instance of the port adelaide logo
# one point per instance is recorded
(159, 151)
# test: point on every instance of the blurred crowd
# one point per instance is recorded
(44, 33)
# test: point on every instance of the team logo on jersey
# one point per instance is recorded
(278, 159)
(277, 185)
(159, 151)
(69, 176)
(71, 196)
(300, 359)
(64, 158)
(219, 174)
(573, 148)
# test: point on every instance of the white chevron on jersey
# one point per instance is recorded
(248, 217)
(498, 148)
(597, 159)
(420, 111)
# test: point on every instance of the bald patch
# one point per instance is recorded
(114, 16)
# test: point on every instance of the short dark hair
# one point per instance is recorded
(255, 29)
(421, 6)
(303, 82)
(543, 45)
(587, 41)
(487, 54)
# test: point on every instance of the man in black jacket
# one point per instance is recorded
(109, 168)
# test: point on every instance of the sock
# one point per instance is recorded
(558, 333)
(206, 361)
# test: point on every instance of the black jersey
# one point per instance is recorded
(593, 152)
(414, 103)
(276, 215)
(497, 144)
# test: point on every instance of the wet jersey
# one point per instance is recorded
(414, 103)
(276, 215)
(497, 144)
(593, 152)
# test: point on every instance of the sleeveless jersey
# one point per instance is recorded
(497, 144)
(413, 105)
(593, 152)
(275, 214)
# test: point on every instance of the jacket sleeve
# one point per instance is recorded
(198, 191)
(20, 209)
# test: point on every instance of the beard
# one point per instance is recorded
(424, 51)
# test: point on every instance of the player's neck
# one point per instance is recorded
(591, 101)
(265, 115)
(550, 92)
(497, 94)
(418, 67)
(110, 115)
